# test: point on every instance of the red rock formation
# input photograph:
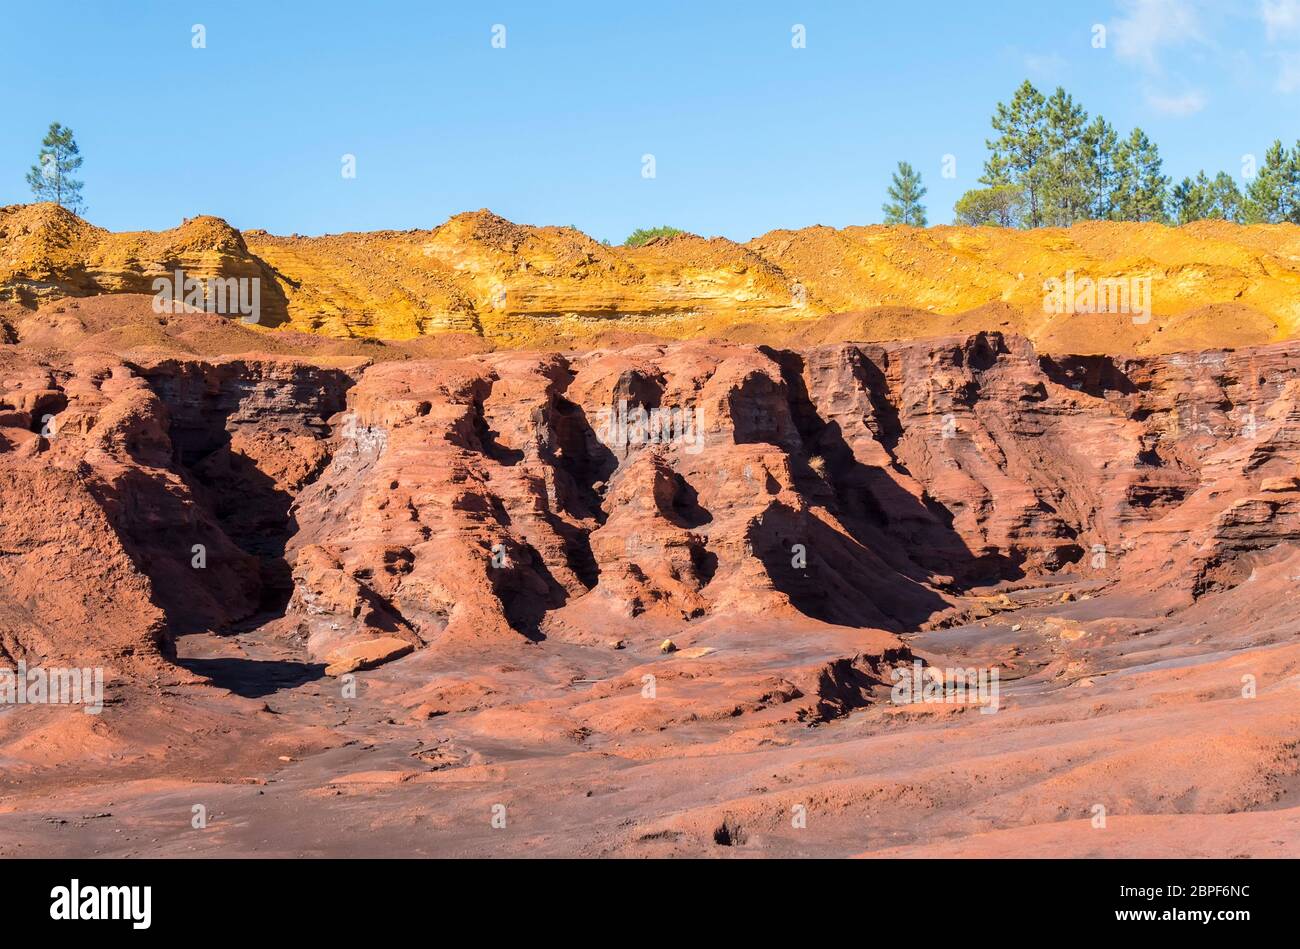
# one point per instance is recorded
(153, 491)
(860, 485)
(496, 546)
(508, 495)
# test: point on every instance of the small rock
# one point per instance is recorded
(616, 644)
(1279, 484)
(1016, 628)
(365, 654)
(695, 652)
(667, 646)
(1067, 597)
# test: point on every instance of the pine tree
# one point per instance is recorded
(1142, 190)
(1274, 195)
(1015, 157)
(1187, 200)
(1227, 201)
(1063, 168)
(1102, 143)
(905, 195)
(1067, 175)
(1200, 199)
(51, 178)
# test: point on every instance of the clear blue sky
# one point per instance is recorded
(748, 133)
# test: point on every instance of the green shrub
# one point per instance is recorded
(643, 235)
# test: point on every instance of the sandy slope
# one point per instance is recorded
(485, 281)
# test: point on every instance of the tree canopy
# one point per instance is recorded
(51, 178)
(905, 194)
(1051, 165)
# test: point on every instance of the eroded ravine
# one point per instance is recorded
(1118, 529)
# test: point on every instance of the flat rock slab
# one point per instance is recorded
(365, 654)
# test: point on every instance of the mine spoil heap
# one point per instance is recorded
(573, 512)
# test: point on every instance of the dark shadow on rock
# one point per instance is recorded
(834, 578)
(914, 537)
(254, 678)
(582, 461)
(757, 412)
(703, 561)
(1092, 375)
(205, 405)
(684, 509)
(274, 301)
(638, 390)
(159, 528)
(487, 438)
(527, 590)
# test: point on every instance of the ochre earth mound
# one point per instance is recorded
(511, 286)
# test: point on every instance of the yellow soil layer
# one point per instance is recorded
(479, 276)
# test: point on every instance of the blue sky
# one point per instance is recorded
(748, 133)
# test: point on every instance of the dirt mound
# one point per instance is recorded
(514, 286)
(48, 253)
(127, 324)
